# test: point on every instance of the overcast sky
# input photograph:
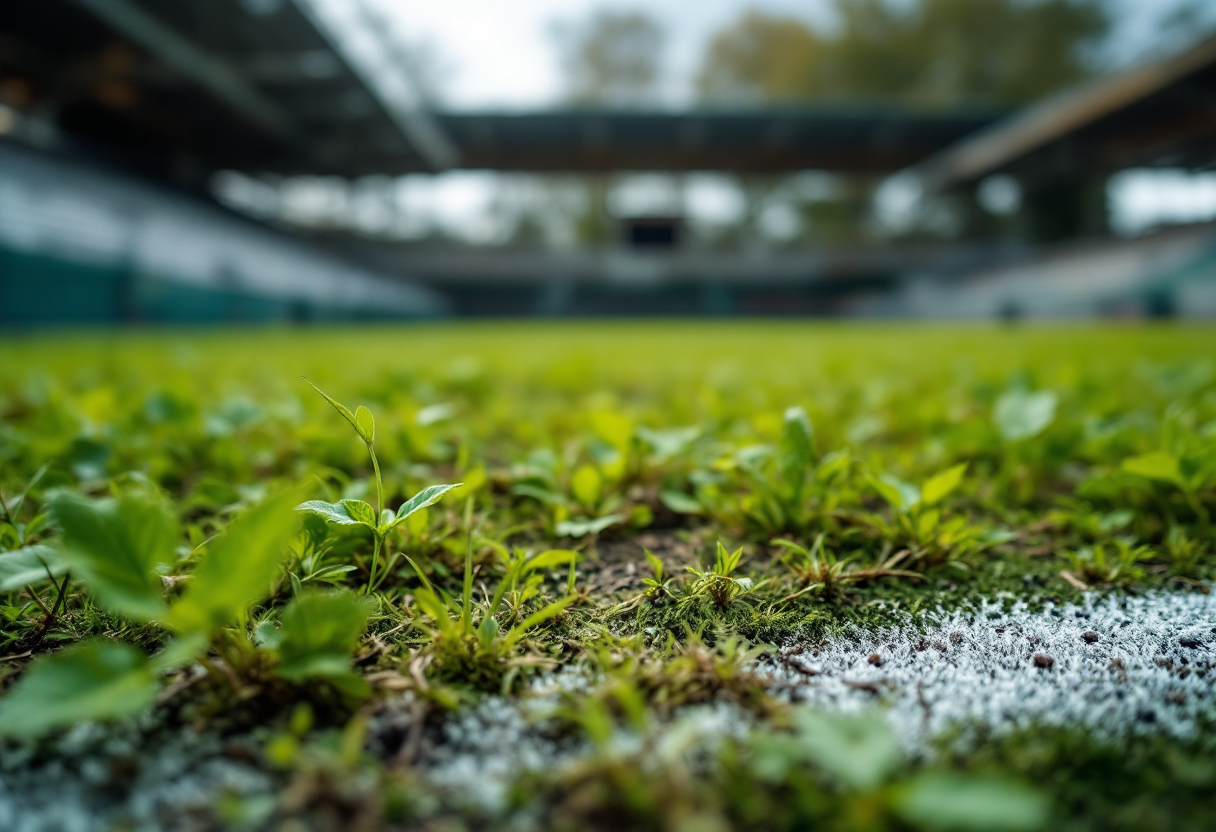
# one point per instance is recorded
(500, 53)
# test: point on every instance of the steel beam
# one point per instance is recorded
(206, 70)
(398, 94)
(1059, 118)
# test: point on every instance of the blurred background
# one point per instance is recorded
(204, 161)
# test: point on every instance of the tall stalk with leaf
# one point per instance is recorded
(380, 520)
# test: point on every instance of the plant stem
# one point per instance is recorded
(466, 595)
(37, 600)
(379, 484)
(63, 591)
(50, 616)
(466, 614)
(371, 576)
(388, 567)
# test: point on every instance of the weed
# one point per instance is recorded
(1116, 562)
(918, 524)
(659, 587)
(818, 570)
(1186, 554)
(689, 671)
(468, 644)
(719, 582)
(379, 520)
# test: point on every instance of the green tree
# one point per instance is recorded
(933, 53)
(611, 58)
(761, 57)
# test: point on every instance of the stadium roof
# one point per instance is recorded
(288, 87)
(865, 140)
(1161, 114)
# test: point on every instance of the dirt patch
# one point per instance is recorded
(618, 566)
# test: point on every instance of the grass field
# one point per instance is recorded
(653, 575)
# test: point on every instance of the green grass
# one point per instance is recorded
(792, 479)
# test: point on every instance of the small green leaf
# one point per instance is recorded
(939, 800)
(28, 566)
(432, 606)
(426, 497)
(538, 493)
(995, 537)
(181, 651)
(668, 442)
(796, 454)
(365, 424)
(238, 568)
(549, 560)
(338, 513)
(94, 680)
(115, 546)
(583, 528)
(927, 522)
(434, 413)
(332, 573)
(488, 630)
(319, 632)
(901, 495)
(586, 485)
(537, 618)
(679, 502)
(14, 509)
(1021, 415)
(266, 635)
(359, 511)
(338, 406)
(832, 465)
(940, 485)
(1157, 465)
(861, 751)
(888, 492)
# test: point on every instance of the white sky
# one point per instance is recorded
(1141, 199)
(500, 53)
